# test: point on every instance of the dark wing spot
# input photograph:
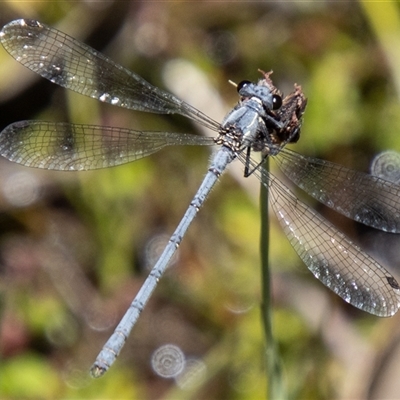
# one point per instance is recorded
(392, 282)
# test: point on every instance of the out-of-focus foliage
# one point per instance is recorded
(75, 247)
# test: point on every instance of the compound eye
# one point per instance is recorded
(241, 85)
(276, 102)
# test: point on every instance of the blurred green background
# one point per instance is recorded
(75, 247)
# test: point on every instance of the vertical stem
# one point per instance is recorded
(276, 389)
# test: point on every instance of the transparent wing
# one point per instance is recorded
(333, 259)
(78, 67)
(364, 198)
(63, 146)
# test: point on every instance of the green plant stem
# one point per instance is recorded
(276, 388)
